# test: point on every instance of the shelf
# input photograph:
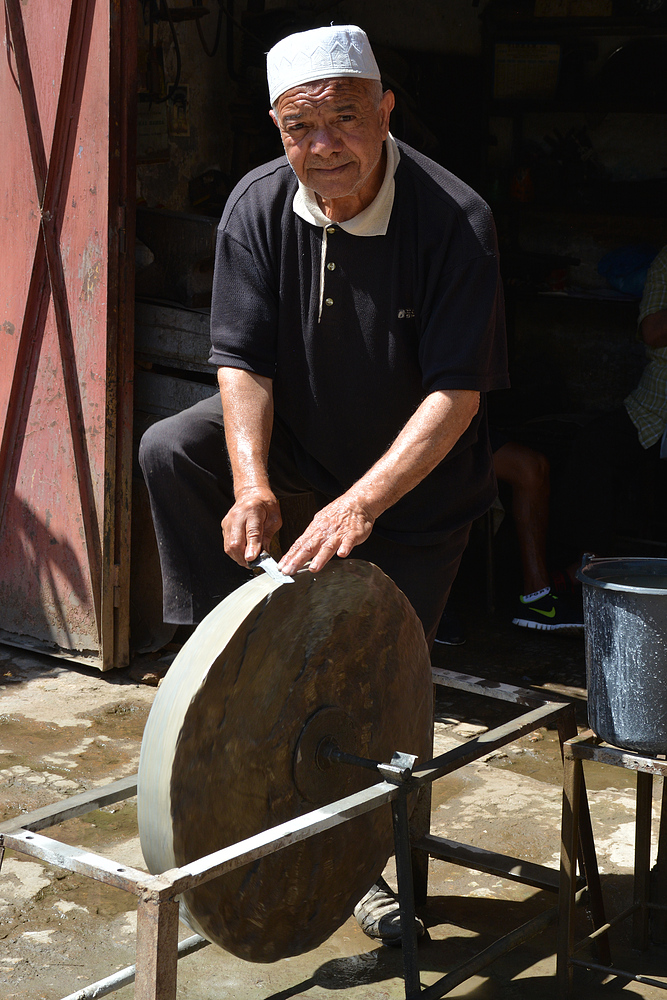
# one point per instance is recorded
(508, 29)
(650, 207)
(602, 295)
(510, 107)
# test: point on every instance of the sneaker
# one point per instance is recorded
(550, 614)
(450, 630)
(379, 917)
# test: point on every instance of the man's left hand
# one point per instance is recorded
(335, 530)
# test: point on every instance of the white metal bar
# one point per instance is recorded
(181, 879)
(76, 805)
(75, 859)
(490, 689)
(125, 977)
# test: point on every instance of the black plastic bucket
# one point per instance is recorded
(625, 619)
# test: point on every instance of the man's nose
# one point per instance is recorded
(324, 142)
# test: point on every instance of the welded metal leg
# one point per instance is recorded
(659, 893)
(420, 826)
(157, 949)
(572, 775)
(589, 863)
(567, 729)
(642, 860)
(406, 896)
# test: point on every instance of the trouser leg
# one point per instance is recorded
(189, 482)
(186, 468)
(425, 573)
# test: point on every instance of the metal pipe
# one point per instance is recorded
(331, 751)
(594, 935)
(126, 976)
(483, 958)
(612, 971)
(451, 760)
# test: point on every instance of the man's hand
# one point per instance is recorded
(653, 329)
(251, 524)
(424, 441)
(335, 530)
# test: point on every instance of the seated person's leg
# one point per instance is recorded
(527, 472)
(185, 466)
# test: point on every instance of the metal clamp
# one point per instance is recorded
(399, 769)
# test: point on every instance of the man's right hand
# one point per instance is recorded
(251, 524)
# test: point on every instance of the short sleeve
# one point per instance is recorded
(244, 310)
(654, 298)
(463, 344)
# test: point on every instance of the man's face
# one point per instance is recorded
(333, 131)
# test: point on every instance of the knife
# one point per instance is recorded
(270, 566)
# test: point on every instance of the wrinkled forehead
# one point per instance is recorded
(335, 94)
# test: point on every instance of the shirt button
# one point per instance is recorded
(331, 229)
(331, 266)
(328, 302)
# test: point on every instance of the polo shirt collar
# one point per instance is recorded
(374, 219)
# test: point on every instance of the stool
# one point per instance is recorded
(588, 746)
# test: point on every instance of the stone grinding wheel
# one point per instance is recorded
(229, 750)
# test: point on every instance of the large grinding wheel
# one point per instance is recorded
(230, 749)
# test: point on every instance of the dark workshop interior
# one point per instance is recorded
(554, 110)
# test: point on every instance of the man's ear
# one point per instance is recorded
(386, 107)
(272, 115)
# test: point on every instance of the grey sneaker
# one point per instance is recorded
(379, 916)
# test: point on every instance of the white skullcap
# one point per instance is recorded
(318, 54)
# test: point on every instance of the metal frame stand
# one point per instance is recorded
(587, 746)
(158, 950)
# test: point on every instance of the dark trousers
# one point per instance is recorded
(185, 465)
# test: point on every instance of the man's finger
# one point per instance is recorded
(326, 551)
(254, 533)
(299, 554)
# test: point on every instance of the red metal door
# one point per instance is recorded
(66, 87)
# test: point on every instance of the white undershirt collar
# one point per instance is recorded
(374, 219)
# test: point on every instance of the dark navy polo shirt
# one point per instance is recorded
(404, 314)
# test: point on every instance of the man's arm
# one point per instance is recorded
(653, 329)
(247, 406)
(427, 437)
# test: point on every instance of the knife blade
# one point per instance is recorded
(270, 566)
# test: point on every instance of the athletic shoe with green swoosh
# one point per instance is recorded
(551, 614)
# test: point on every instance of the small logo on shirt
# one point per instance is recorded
(406, 314)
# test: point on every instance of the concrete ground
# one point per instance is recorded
(64, 729)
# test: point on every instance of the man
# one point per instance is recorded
(356, 324)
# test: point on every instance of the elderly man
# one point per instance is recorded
(356, 323)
